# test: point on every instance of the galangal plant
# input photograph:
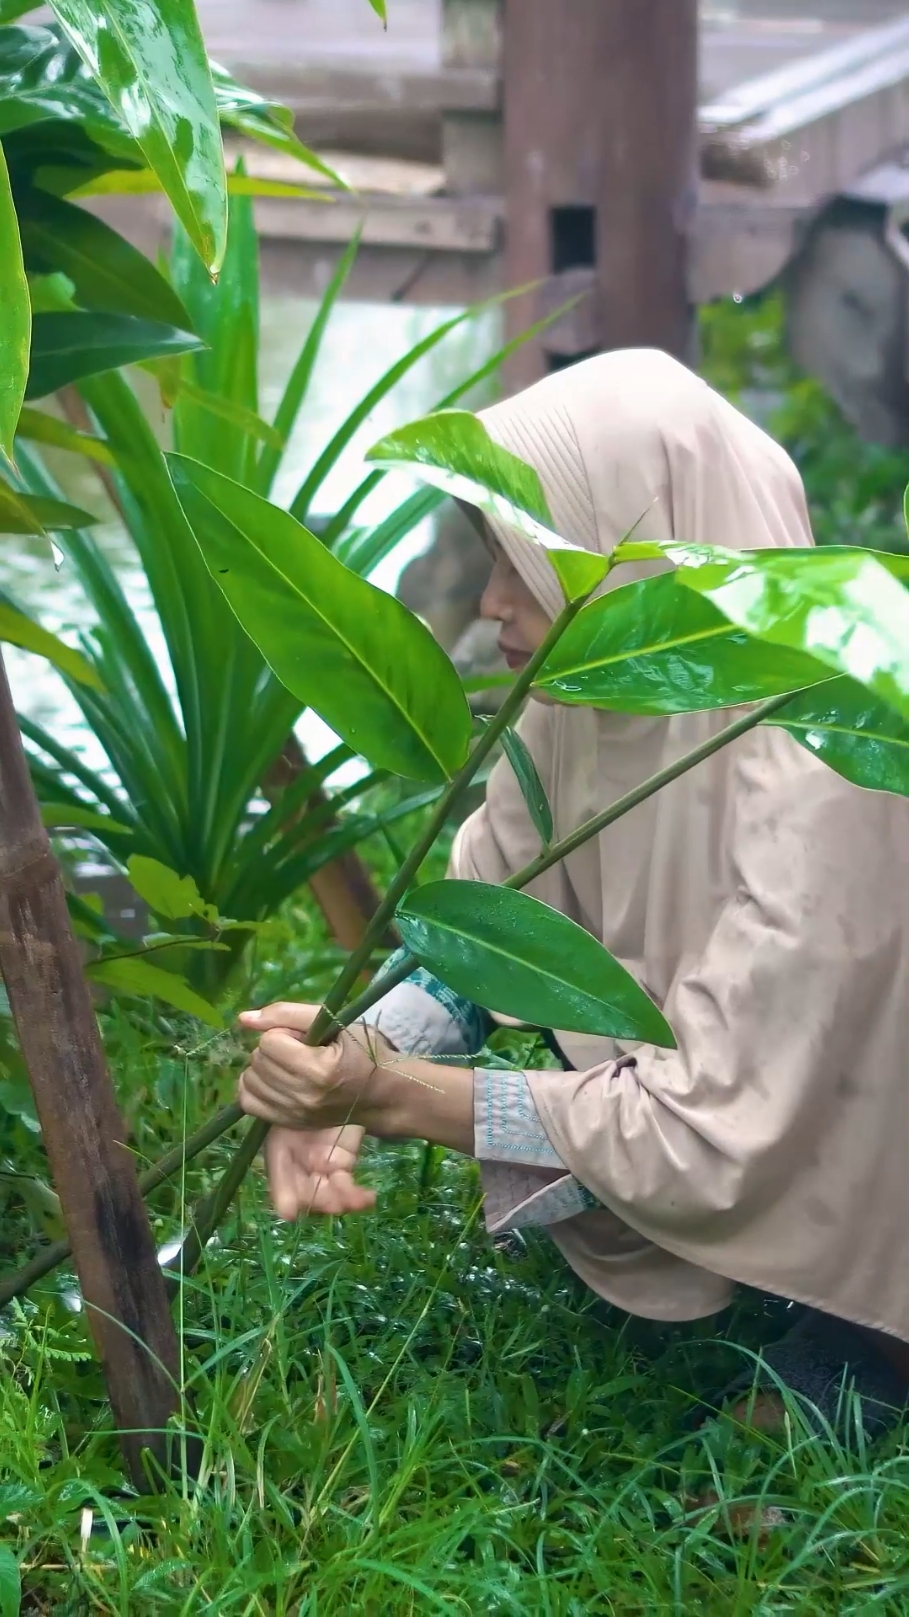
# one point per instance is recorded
(776, 629)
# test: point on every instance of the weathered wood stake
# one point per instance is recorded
(93, 1172)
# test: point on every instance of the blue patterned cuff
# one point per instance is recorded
(524, 1179)
(507, 1125)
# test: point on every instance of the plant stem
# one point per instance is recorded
(631, 800)
(52, 1255)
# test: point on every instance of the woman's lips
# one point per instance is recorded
(515, 659)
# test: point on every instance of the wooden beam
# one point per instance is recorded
(93, 1172)
(600, 107)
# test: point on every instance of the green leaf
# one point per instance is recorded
(265, 121)
(843, 607)
(354, 654)
(51, 294)
(64, 816)
(10, 1583)
(66, 347)
(532, 789)
(362, 549)
(129, 975)
(15, 317)
(150, 60)
(33, 513)
(378, 7)
(453, 451)
(106, 272)
(18, 630)
(656, 647)
(300, 377)
(165, 892)
(144, 182)
(512, 954)
(37, 426)
(12, 10)
(853, 732)
(236, 415)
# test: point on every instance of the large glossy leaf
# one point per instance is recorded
(846, 608)
(29, 513)
(130, 975)
(15, 317)
(656, 647)
(149, 58)
(512, 954)
(354, 654)
(106, 271)
(453, 451)
(43, 80)
(18, 630)
(853, 732)
(67, 347)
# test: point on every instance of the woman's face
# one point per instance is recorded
(507, 600)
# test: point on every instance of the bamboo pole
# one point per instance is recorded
(94, 1174)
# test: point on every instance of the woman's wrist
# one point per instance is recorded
(407, 1098)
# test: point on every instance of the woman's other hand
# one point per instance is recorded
(311, 1172)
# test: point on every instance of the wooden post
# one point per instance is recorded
(600, 101)
(94, 1174)
(472, 141)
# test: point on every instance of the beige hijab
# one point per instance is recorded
(761, 900)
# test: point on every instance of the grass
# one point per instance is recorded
(398, 1415)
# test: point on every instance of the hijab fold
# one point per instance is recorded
(761, 900)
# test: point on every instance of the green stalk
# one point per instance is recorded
(46, 1260)
(631, 800)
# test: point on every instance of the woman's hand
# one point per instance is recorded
(312, 1172)
(357, 1079)
(296, 1086)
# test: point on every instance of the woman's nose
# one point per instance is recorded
(494, 600)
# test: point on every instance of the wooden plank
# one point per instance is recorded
(93, 1172)
(756, 96)
(829, 126)
(437, 224)
(600, 158)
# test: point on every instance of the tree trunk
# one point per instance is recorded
(93, 1172)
